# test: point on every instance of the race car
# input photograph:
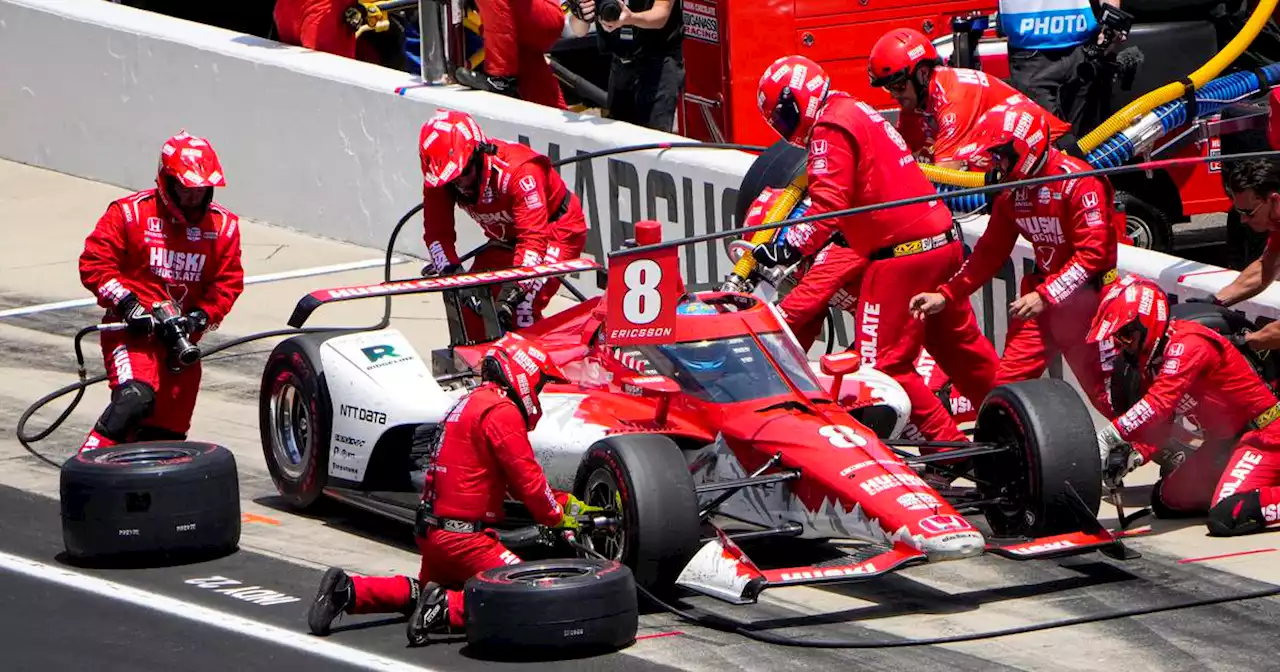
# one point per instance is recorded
(720, 425)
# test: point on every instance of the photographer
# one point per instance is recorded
(645, 38)
(1062, 54)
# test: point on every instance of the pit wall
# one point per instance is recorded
(326, 145)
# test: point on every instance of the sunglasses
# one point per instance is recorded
(1246, 214)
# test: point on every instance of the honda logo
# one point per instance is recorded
(943, 523)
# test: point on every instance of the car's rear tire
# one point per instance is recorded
(547, 606)
(1051, 430)
(150, 500)
(1146, 224)
(775, 167)
(294, 418)
(658, 527)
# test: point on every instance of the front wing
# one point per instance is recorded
(723, 571)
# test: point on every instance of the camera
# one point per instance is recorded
(173, 329)
(609, 10)
(1114, 22)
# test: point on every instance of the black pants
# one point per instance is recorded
(645, 90)
(1049, 77)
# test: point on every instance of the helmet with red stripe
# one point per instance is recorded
(515, 363)
(1135, 314)
(1015, 136)
(897, 55)
(189, 170)
(455, 154)
(791, 93)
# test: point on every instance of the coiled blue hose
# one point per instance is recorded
(1118, 149)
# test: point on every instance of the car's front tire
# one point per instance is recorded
(295, 417)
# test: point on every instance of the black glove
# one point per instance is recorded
(777, 253)
(197, 321)
(508, 300)
(139, 320)
(1207, 299)
(481, 81)
(433, 271)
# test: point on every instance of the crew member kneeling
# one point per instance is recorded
(171, 243)
(484, 452)
(515, 196)
(1188, 368)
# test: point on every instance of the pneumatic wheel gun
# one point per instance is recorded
(174, 330)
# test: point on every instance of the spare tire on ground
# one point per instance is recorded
(151, 500)
(546, 607)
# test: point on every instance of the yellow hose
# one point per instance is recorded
(1172, 91)
(781, 208)
(1140, 106)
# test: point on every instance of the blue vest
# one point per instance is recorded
(1046, 24)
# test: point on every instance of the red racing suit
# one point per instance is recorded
(957, 98)
(318, 25)
(484, 453)
(857, 158)
(1273, 118)
(138, 247)
(517, 36)
(1205, 377)
(523, 204)
(1072, 229)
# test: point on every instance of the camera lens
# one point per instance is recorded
(609, 10)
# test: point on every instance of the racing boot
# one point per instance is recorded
(335, 596)
(430, 614)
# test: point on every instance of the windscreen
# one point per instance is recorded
(726, 370)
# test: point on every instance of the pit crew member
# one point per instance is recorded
(1069, 225)
(515, 196)
(857, 158)
(941, 105)
(1255, 193)
(518, 34)
(319, 25)
(829, 278)
(1189, 368)
(483, 452)
(170, 243)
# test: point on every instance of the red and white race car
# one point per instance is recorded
(698, 420)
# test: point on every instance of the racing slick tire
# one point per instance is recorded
(547, 606)
(150, 500)
(294, 417)
(775, 167)
(1051, 431)
(646, 477)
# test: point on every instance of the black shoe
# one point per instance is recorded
(334, 597)
(430, 614)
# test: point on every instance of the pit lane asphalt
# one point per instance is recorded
(286, 551)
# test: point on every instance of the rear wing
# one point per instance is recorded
(309, 303)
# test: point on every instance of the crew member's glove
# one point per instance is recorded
(482, 81)
(197, 321)
(1207, 299)
(1118, 456)
(573, 508)
(776, 253)
(508, 300)
(439, 264)
(136, 316)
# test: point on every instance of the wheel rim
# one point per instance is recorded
(290, 430)
(602, 491)
(1007, 472)
(1139, 230)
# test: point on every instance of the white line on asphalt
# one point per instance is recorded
(205, 616)
(253, 280)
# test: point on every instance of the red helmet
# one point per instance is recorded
(1133, 308)
(450, 145)
(188, 163)
(1017, 130)
(517, 364)
(897, 54)
(790, 95)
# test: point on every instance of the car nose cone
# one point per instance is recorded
(954, 546)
